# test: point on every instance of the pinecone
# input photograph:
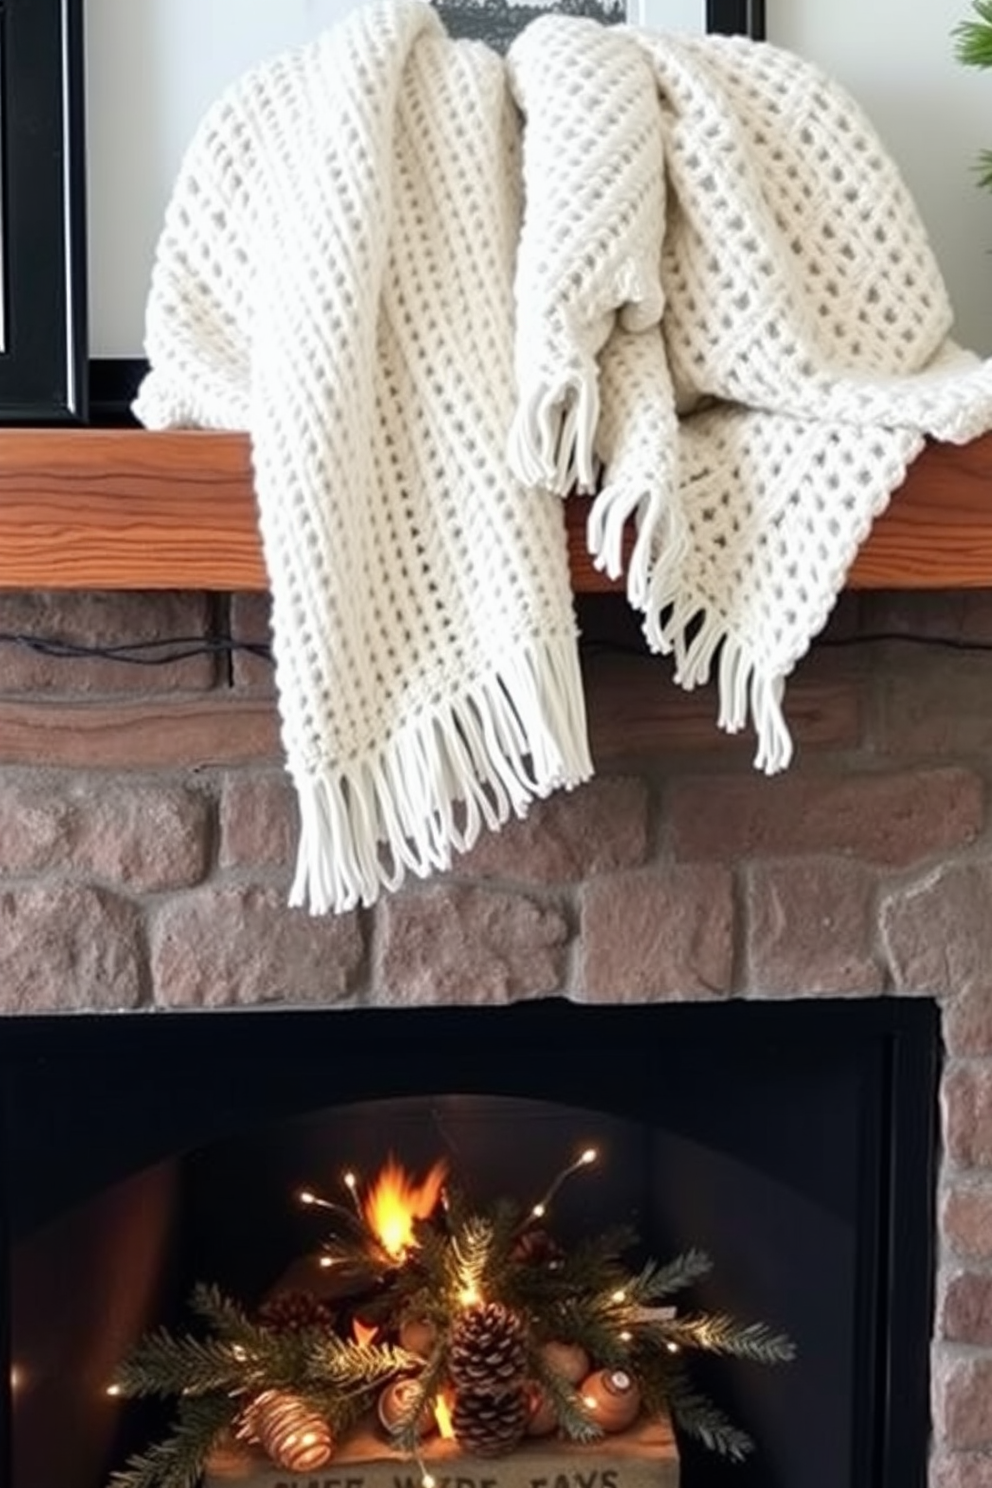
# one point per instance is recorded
(488, 1350)
(293, 1311)
(489, 1425)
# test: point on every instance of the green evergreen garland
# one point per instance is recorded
(587, 1296)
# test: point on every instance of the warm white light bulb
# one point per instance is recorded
(589, 1156)
(672, 1348)
(306, 1197)
(427, 1481)
(538, 1211)
(114, 1390)
(619, 1297)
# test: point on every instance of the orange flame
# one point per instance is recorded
(363, 1332)
(442, 1415)
(395, 1201)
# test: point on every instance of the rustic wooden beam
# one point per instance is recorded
(132, 509)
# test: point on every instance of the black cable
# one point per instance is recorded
(155, 653)
(150, 653)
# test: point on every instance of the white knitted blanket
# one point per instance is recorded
(440, 289)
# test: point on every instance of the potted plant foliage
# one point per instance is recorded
(973, 41)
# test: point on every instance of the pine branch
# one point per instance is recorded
(428, 1383)
(471, 1253)
(717, 1333)
(983, 168)
(162, 1365)
(655, 1282)
(699, 1417)
(973, 39)
(225, 1317)
(331, 1362)
(178, 1460)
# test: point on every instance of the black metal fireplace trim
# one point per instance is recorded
(50, 1066)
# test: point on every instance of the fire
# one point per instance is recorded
(395, 1201)
(442, 1415)
(363, 1332)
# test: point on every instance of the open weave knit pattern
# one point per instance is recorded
(440, 290)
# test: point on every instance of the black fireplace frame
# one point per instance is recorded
(122, 1070)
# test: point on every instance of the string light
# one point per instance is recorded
(350, 1181)
(584, 1160)
(314, 1201)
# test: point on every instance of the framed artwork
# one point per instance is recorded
(43, 352)
(498, 21)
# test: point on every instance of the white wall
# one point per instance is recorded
(897, 58)
(152, 68)
(154, 65)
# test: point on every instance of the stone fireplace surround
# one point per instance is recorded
(146, 831)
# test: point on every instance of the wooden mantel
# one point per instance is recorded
(130, 509)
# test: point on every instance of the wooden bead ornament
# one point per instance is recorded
(418, 1336)
(570, 1360)
(290, 1432)
(394, 1402)
(612, 1398)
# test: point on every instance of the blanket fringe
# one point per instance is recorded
(552, 437)
(477, 758)
(660, 546)
(745, 688)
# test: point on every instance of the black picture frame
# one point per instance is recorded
(44, 354)
(736, 18)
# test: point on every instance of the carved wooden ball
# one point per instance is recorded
(418, 1336)
(569, 1360)
(612, 1398)
(395, 1401)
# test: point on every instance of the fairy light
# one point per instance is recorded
(584, 1160)
(114, 1391)
(350, 1181)
(311, 1200)
(619, 1298)
(626, 1336)
(469, 1295)
(672, 1348)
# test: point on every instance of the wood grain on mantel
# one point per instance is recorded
(131, 509)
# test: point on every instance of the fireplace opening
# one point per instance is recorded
(792, 1143)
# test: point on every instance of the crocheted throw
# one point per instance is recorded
(440, 290)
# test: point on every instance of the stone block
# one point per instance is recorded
(458, 944)
(962, 1399)
(69, 947)
(961, 1470)
(251, 626)
(595, 829)
(966, 1220)
(664, 933)
(965, 1308)
(136, 836)
(893, 819)
(241, 945)
(937, 932)
(810, 929)
(966, 1099)
(259, 821)
(100, 619)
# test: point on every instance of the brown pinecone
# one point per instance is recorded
(488, 1350)
(293, 1311)
(488, 1425)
